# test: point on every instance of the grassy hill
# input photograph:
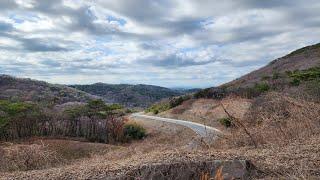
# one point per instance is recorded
(294, 74)
(301, 59)
(129, 95)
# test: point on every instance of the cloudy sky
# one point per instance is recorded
(172, 43)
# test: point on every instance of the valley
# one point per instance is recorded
(269, 117)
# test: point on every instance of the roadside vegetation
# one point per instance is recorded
(133, 130)
(167, 104)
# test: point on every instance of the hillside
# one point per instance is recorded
(129, 95)
(269, 117)
(21, 89)
(301, 59)
(275, 104)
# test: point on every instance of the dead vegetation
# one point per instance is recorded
(277, 119)
(46, 153)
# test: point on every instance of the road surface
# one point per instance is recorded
(200, 129)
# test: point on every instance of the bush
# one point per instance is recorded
(134, 131)
(225, 122)
(306, 75)
(275, 75)
(215, 93)
(157, 108)
(177, 101)
(262, 87)
(295, 82)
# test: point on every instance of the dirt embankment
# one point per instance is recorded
(209, 111)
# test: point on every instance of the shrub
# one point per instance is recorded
(215, 93)
(157, 108)
(225, 122)
(262, 87)
(306, 75)
(134, 131)
(295, 82)
(275, 75)
(177, 101)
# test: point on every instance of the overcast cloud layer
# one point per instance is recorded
(173, 43)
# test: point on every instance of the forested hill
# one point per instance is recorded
(129, 95)
(22, 89)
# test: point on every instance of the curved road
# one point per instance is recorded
(200, 129)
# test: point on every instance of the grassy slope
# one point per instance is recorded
(300, 59)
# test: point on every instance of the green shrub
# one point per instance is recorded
(134, 131)
(275, 75)
(306, 75)
(262, 87)
(174, 102)
(226, 122)
(157, 108)
(295, 82)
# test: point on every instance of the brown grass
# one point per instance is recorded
(45, 153)
(27, 157)
(278, 119)
(286, 129)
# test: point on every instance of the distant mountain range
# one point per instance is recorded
(130, 95)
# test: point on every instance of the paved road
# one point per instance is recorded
(200, 129)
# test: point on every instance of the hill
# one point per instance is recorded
(276, 104)
(129, 95)
(21, 89)
(301, 59)
(294, 74)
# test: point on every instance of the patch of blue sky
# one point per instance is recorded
(16, 19)
(100, 46)
(25, 16)
(120, 21)
(192, 49)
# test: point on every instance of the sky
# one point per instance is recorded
(171, 43)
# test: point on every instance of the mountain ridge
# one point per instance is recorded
(140, 95)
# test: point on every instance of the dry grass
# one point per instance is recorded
(286, 129)
(297, 160)
(277, 119)
(27, 157)
(45, 153)
(81, 159)
(209, 111)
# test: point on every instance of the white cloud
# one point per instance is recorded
(170, 42)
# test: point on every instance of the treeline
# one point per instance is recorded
(94, 121)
